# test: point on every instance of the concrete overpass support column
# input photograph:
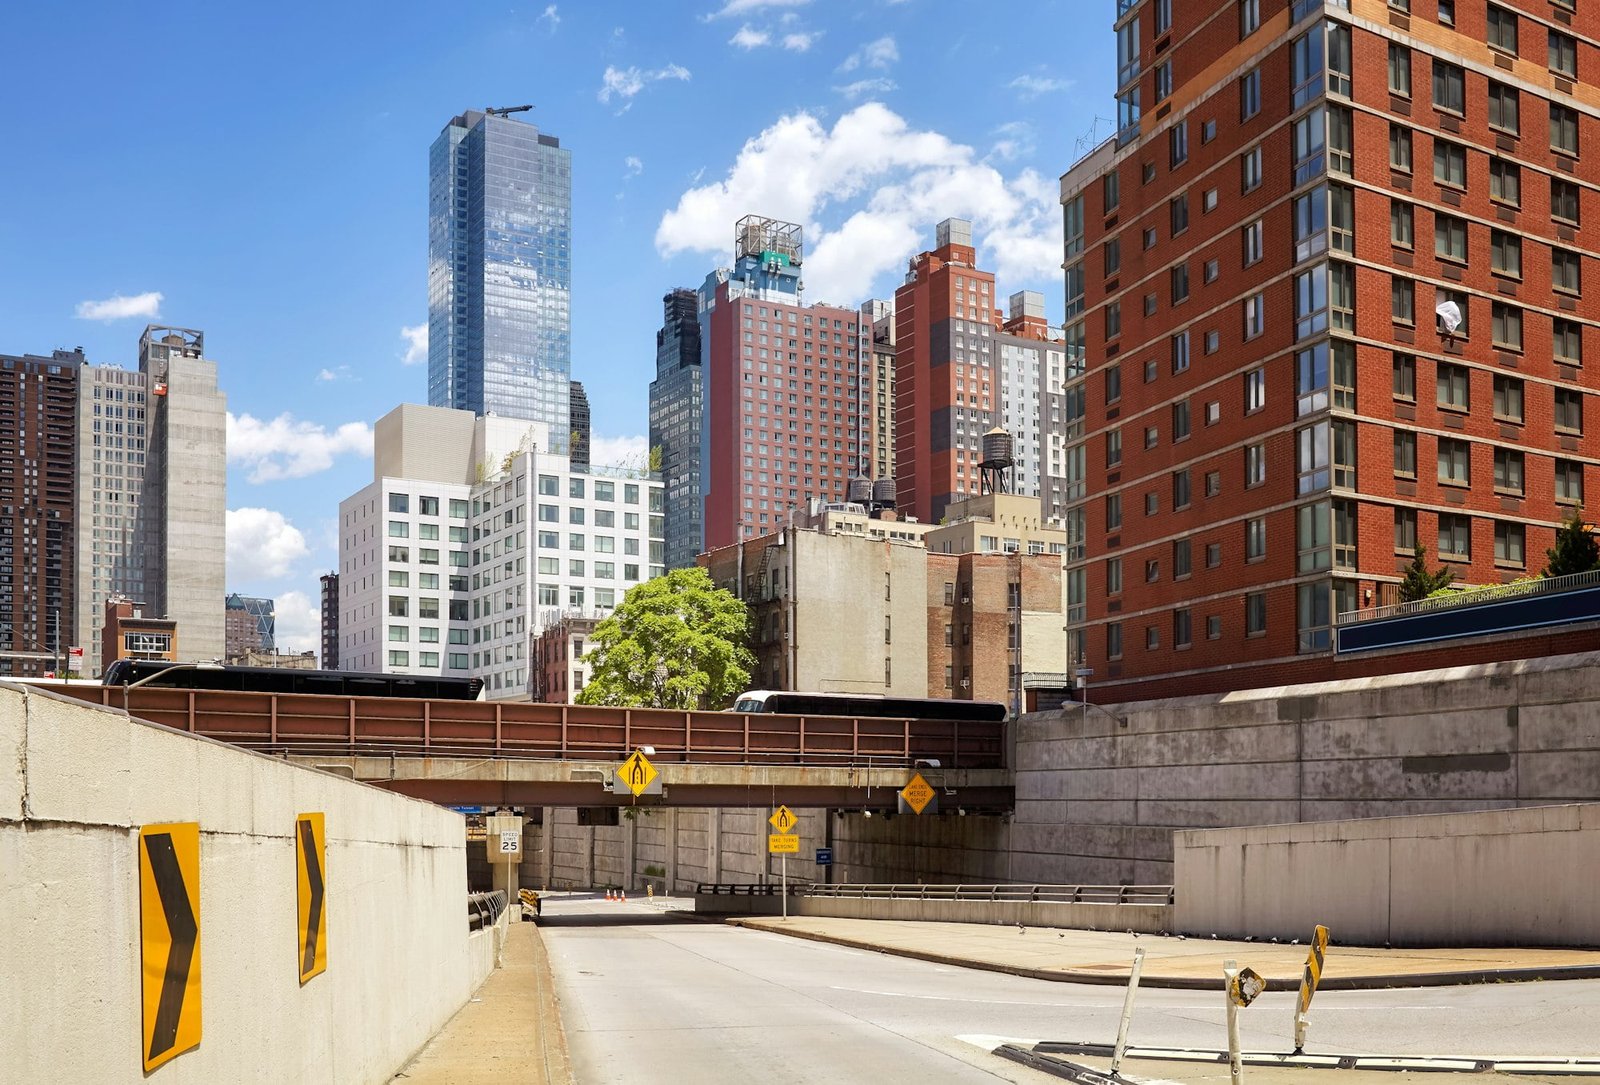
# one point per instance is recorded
(547, 853)
(506, 867)
(714, 844)
(630, 852)
(672, 848)
(588, 857)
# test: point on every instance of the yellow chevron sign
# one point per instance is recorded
(311, 864)
(169, 940)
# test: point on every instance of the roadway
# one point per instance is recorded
(648, 995)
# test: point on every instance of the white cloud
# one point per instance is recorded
(619, 451)
(1014, 139)
(624, 83)
(549, 16)
(879, 54)
(262, 545)
(868, 192)
(800, 42)
(634, 164)
(298, 622)
(118, 307)
(1032, 86)
(416, 337)
(862, 88)
(743, 7)
(327, 375)
(285, 448)
(748, 37)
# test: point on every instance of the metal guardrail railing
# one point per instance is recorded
(484, 909)
(1033, 894)
(1495, 593)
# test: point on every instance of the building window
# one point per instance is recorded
(1503, 30)
(1250, 164)
(1450, 238)
(1569, 482)
(1114, 320)
(1504, 108)
(1569, 410)
(1311, 301)
(1402, 228)
(1455, 462)
(1110, 192)
(1250, 95)
(1563, 54)
(1405, 377)
(1454, 387)
(1449, 164)
(1449, 87)
(1152, 503)
(1447, 12)
(1405, 531)
(1505, 182)
(1113, 576)
(1255, 538)
(1152, 638)
(1213, 341)
(1253, 246)
(1178, 144)
(1255, 464)
(1180, 559)
(1508, 476)
(1564, 206)
(1399, 70)
(1213, 626)
(1508, 399)
(1563, 129)
(1113, 512)
(1459, 300)
(1566, 271)
(1113, 640)
(1255, 614)
(1213, 555)
(1506, 326)
(1567, 342)
(1210, 271)
(1249, 17)
(1180, 420)
(1113, 447)
(1505, 253)
(1180, 489)
(1308, 65)
(1113, 383)
(1310, 135)
(1405, 454)
(1152, 571)
(1180, 283)
(1455, 536)
(1508, 544)
(1399, 148)
(1402, 301)
(1181, 633)
(1314, 621)
(399, 659)
(1113, 264)
(1255, 315)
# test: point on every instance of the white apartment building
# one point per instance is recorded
(470, 540)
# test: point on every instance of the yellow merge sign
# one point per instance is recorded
(917, 793)
(783, 844)
(637, 774)
(782, 820)
(310, 851)
(169, 937)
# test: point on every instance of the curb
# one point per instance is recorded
(1049, 1058)
(1199, 983)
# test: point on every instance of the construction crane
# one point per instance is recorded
(508, 110)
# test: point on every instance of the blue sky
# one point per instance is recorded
(264, 171)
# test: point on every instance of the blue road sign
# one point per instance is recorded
(824, 856)
(467, 809)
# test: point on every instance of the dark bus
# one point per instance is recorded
(868, 704)
(218, 676)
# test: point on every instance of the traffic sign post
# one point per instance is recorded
(1308, 985)
(784, 842)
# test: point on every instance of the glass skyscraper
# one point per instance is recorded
(500, 271)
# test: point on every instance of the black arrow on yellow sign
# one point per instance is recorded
(311, 855)
(184, 931)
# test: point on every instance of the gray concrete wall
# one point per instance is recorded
(76, 784)
(1098, 801)
(1144, 918)
(1502, 877)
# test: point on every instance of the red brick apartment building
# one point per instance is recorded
(1273, 411)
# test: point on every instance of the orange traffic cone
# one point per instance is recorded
(624, 897)
(608, 894)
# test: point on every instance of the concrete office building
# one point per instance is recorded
(676, 407)
(38, 510)
(500, 271)
(877, 382)
(961, 370)
(782, 388)
(471, 539)
(1327, 277)
(250, 624)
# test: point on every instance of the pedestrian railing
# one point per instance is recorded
(483, 909)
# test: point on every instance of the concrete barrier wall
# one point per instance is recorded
(1502, 877)
(1144, 918)
(77, 782)
(1098, 800)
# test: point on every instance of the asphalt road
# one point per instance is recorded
(649, 996)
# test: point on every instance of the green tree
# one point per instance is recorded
(1575, 550)
(1419, 582)
(676, 641)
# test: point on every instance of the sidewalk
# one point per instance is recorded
(509, 1031)
(1076, 956)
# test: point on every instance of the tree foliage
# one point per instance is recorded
(1575, 550)
(1419, 582)
(676, 641)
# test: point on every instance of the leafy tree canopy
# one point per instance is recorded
(1575, 550)
(1419, 582)
(676, 641)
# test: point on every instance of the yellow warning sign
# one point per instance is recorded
(636, 773)
(782, 820)
(311, 862)
(169, 938)
(783, 844)
(917, 793)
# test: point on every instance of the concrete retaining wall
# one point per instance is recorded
(1097, 801)
(77, 782)
(1144, 918)
(1502, 877)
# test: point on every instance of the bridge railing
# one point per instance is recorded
(1011, 893)
(484, 909)
(404, 726)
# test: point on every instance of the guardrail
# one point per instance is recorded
(394, 726)
(1031, 894)
(746, 889)
(484, 909)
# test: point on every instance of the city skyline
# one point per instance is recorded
(304, 277)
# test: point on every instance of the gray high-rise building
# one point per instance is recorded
(581, 429)
(500, 271)
(675, 412)
(152, 492)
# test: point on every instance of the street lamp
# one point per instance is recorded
(210, 665)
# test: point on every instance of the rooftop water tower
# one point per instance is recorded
(994, 470)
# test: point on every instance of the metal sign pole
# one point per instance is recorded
(786, 886)
(1308, 985)
(1230, 972)
(1127, 1009)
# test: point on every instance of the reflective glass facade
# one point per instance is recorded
(500, 271)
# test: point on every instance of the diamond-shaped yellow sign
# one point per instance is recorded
(782, 820)
(917, 793)
(636, 773)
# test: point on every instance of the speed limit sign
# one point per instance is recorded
(510, 842)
